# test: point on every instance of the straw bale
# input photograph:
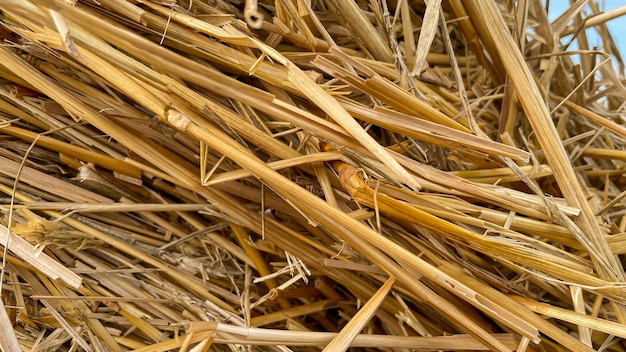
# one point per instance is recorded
(221, 175)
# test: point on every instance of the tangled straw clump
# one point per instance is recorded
(290, 175)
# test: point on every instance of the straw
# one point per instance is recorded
(332, 175)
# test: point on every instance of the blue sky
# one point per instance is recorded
(617, 26)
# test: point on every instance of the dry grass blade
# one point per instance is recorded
(255, 336)
(579, 319)
(42, 181)
(598, 19)
(277, 165)
(364, 29)
(427, 35)
(111, 207)
(431, 132)
(8, 339)
(37, 259)
(74, 151)
(346, 337)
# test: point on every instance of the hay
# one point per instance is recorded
(212, 175)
